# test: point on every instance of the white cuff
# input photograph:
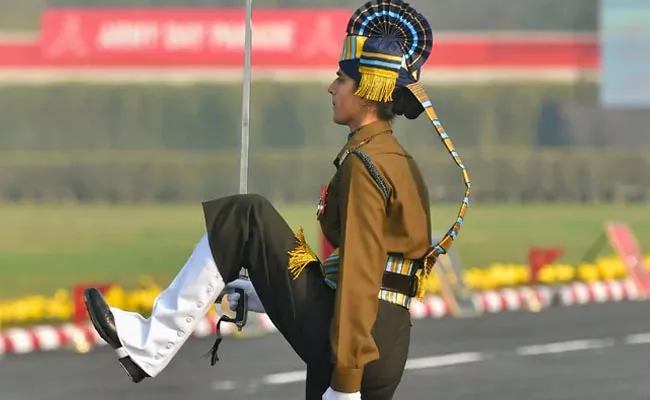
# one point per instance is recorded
(331, 394)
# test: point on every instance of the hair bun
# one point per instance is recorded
(405, 103)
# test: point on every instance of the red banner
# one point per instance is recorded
(281, 38)
(287, 39)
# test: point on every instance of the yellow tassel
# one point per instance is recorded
(377, 84)
(300, 256)
(421, 291)
(429, 262)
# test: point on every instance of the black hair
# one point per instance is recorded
(385, 111)
(404, 103)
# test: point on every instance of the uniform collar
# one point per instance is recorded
(363, 134)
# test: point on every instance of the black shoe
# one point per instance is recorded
(104, 323)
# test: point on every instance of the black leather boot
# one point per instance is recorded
(104, 323)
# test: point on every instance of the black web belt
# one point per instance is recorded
(394, 282)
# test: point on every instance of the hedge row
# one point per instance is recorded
(208, 116)
(516, 175)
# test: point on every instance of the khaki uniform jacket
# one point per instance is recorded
(364, 227)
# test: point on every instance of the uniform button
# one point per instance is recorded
(180, 333)
(157, 357)
(189, 319)
(210, 288)
(199, 305)
(169, 345)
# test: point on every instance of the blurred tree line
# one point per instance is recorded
(208, 115)
(84, 142)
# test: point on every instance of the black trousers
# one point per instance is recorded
(247, 231)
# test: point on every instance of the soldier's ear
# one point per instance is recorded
(369, 106)
(367, 103)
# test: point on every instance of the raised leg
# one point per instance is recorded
(241, 231)
(153, 342)
(148, 344)
(260, 240)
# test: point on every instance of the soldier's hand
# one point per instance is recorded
(254, 302)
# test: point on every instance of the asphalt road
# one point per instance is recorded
(595, 352)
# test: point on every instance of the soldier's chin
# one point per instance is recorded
(338, 120)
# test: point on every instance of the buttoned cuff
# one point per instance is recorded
(347, 380)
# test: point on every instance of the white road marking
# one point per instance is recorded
(411, 364)
(563, 347)
(638, 338)
(224, 385)
(446, 360)
(443, 361)
(285, 377)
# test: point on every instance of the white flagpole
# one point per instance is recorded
(246, 106)
(246, 100)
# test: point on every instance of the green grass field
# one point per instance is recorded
(43, 248)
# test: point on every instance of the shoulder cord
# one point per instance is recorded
(442, 247)
(371, 169)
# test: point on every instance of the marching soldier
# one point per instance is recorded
(347, 317)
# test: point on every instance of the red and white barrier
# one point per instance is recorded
(48, 338)
(598, 292)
